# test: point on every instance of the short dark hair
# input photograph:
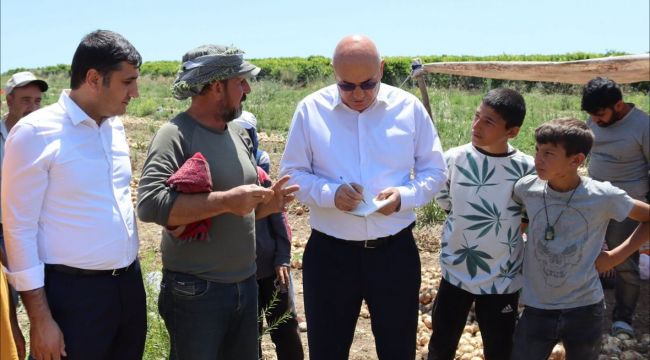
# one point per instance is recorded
(600, 93)
(509, 104)
(572, 134)
(104, 51)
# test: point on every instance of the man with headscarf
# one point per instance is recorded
(352, 140)
(208, 294)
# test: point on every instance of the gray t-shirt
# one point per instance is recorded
(229, 253)
(621, 153)
(560, 273)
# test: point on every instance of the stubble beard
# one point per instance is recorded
(231, 113)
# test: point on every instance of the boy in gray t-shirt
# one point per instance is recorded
(568, 217)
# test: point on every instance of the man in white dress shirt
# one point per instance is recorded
(70, 228)
(361, 137)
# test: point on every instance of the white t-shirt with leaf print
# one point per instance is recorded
(482, 247)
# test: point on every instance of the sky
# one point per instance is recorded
(36, 33)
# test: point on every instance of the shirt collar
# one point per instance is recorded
(74, 112)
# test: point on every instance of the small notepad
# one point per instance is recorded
(371, 205)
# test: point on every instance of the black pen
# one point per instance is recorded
(352, 187)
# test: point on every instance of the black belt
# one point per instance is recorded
(370, 244)
(87, 272)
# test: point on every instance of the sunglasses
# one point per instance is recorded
(366, 85)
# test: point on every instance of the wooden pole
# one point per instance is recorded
(418, 72)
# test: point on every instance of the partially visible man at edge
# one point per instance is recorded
(24, 93)
(208, 294)
(72, 241)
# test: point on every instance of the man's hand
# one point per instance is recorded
(281, 196)
(243, 199)
(46, 340)
(348, 197)
(395, 200)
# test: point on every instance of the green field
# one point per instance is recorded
(273, 102)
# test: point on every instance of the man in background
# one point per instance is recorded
(620, 155)
(24, 93)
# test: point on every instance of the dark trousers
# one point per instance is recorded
(628, 279)
(496, 315)
(338, 276)
(285, 336)
(579, 329)
(101, 316)
(209, 320)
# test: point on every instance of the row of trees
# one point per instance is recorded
(298, 71)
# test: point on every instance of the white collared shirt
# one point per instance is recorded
(3, 138)
(65, 194)
(377, 148)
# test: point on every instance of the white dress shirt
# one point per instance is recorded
(65, 194)
(3, 137)
(377, 148)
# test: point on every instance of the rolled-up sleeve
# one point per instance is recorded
(155, 197)
(24, 185)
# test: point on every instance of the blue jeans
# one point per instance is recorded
(209, 320)
(579, 329)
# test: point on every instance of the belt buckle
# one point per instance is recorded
(366, 246)
(115, 272)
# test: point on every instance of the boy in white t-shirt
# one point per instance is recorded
(482, 250)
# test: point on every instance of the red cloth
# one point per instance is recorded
(193, 177)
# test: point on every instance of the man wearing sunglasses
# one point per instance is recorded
(359, 141)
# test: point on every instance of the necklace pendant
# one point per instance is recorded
(549, 234)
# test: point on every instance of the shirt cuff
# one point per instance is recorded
(407, 198)
(327, 195)
(28, 279)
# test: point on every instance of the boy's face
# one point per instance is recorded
(552, 162)
(489, 130)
